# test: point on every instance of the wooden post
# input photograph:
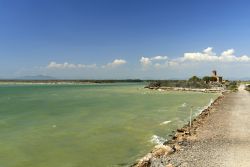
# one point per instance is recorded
(190, 117)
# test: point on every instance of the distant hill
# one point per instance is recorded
(36, 77)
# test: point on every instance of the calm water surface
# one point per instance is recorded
(87, 125)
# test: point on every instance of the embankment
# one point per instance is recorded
(160, 155)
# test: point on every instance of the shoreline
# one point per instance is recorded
(181, 138)
(70, 81)
(204, 90)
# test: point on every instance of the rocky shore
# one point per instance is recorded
(166, 155)
(211, 90)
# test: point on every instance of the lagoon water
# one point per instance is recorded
(95, 125)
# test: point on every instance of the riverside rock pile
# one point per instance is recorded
(183, 137)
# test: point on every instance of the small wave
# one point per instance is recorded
(211, 102)
(157, 139)
(200, 109)
(165, 122)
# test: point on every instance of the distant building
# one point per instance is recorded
(217, 78)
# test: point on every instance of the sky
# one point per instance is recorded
(121, 39)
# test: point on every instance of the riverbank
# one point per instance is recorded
(166, 154)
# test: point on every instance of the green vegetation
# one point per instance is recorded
(208, 79)
(247, 87)
(193, 82)
(233, 86)
(196, 82)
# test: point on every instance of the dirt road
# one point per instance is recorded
(224, 139)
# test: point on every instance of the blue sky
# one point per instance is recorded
(115, 39)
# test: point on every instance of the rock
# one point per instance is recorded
(169, 165)
(161, 150)
(177, 135)
(145, 161)
(181, 139)
(176, 147)
(184, 143)
(181, 130)
(168, 142)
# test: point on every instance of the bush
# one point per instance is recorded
(207, 79)
(154, 84)
(194, 79)
(193, 82)
(233, 86)
(247, 87)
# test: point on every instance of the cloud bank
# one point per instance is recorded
(200, 63)
(209, 56)
(66, 65)
(206, 56)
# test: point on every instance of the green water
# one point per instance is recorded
(87, 125)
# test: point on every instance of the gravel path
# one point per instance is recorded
(224, 138)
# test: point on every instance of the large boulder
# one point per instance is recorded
(161, 150)
(145, 161)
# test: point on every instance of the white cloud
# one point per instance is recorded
(159, 58)
(209, 51)
(146, 61)
(228, 52)
(115, 63)
(209, 56)
(206, 55)
(66, 65)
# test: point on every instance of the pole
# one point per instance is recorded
(190, 117)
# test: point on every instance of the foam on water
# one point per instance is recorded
(157, 139)
(165, 122)
(200, 109)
